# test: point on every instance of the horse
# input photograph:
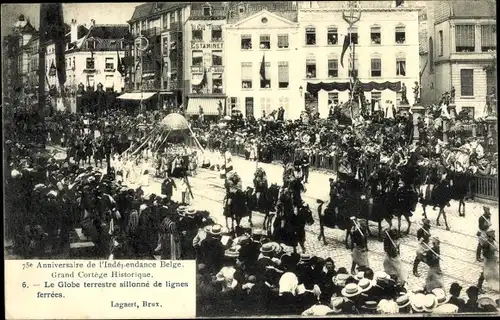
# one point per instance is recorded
(437, 195)
(289, 228)
(402, 202)
(265, 204)
(459, 183)
(237, 209)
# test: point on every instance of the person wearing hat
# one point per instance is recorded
(351, 293)
(211, 250)
(490, 266)
(392, 261)
(404, 304)
(435, 274)
(455, 290)
(417, 302)
(226, 273)
(423, 237)
(484, 223)
(472, 303)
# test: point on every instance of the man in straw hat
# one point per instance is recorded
(211, 249)
(324, 310)
(423, 238)
(484, 223)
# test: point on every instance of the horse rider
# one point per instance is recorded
(484, 223)
(233, 185)
(260, 185)
(423, 238)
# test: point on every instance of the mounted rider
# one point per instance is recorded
(260, 184)
(233, 185)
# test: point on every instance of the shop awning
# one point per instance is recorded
(136, 96)
(209, 106)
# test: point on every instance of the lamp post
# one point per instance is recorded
(352, 14)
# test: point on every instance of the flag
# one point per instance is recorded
(263, 68)
(52, 28)
(120, 66)
(204, 80)
(347, 43)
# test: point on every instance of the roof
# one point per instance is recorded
(284, 9)
(473, 8)
(111, 31)
(145, 10)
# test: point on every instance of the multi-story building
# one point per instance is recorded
(11, 81)
(386, 50)
(261, 48)
(204, 58)
(157, 72)
(462, 53)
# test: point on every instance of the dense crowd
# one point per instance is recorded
(238, 274)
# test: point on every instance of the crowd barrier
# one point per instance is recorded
(482, 187)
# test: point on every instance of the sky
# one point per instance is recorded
(102, 13)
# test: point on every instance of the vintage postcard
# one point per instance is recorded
(250, 159)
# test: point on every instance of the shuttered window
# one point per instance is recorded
(376, 67)
(333, 68)
(283, 74)
(283, 41)
(465, 38)
(467, 82)
(488, 37)
(246, 75)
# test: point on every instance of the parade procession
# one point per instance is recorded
(353, 189)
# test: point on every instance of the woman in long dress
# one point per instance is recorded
(435, 274)
(170, 240)
(490, 265)
(392, 261)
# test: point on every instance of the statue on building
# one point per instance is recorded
(404, 98)
(452, 95)
(416, 92)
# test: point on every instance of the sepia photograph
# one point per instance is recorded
(311, 158)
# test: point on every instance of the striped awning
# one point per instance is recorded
(136, 96)
(209, 106)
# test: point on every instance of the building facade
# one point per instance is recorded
(261, 51)
(462, 53)
(386, 50)
(204, 75)
(158, 70)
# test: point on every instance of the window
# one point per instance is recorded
(440, 43)
(196, 79)
(241, 8)
(207, 10)
(265, 105)
(310, 68)
(143, 26)
(165, 21)
(354, 35)
(108, 82)
(249, 107)
(91, 44)
(283, 75)
(488, 37)
(333, 97)
(246, 75)
(332, 36)
(197, 35)
(216, 33)
(265, 41)
(282, 41)
(91, 80)
(217, 58)
(110, 64)
(375, 35)
(333, 68)
(470, 111)
(233, 103)
(217, 83)
(90, 64)
(400, 35)
(467, 82)
(265, 81)
(401, 67)
(465, 38)
(246, 41)
(172, 19)
(197, 58)
(399, 3)
(376, 67)
(310, 36)
(431, 55)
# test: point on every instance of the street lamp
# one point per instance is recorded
(351, 14)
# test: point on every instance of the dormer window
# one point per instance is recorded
(207, 10)
(91, 44)
(241, 8)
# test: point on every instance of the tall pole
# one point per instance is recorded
(41, 68)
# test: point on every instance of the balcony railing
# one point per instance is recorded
(151, 32)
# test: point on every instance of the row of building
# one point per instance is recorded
(258, 56)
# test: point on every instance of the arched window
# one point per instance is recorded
(332, 35)
(431, 55)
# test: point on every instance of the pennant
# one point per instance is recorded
(263, 68)
(52, 25)
(347, 43)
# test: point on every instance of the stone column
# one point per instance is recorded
(418, 111)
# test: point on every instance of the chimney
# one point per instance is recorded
(74, 31)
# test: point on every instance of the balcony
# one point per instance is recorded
(151, 32)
